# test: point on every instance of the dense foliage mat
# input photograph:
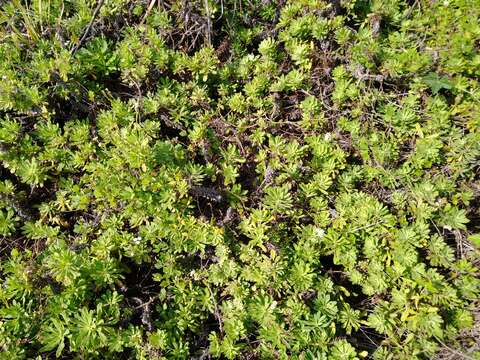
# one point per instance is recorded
(239, 179)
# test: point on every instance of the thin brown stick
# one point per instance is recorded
(454, 351)
(209, 24)
(89, 27)
(149, 9)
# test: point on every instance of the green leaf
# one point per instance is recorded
(278, 199)
(158, 339)
(53, 336)
(453, 218)
(475, 239)
(436, 83)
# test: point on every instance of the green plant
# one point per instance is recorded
(239, 179)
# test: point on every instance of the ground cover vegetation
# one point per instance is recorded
(239, 179)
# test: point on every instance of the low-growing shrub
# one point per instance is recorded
(239, 179)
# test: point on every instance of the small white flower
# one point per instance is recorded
(320, 232)
(137, 239)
